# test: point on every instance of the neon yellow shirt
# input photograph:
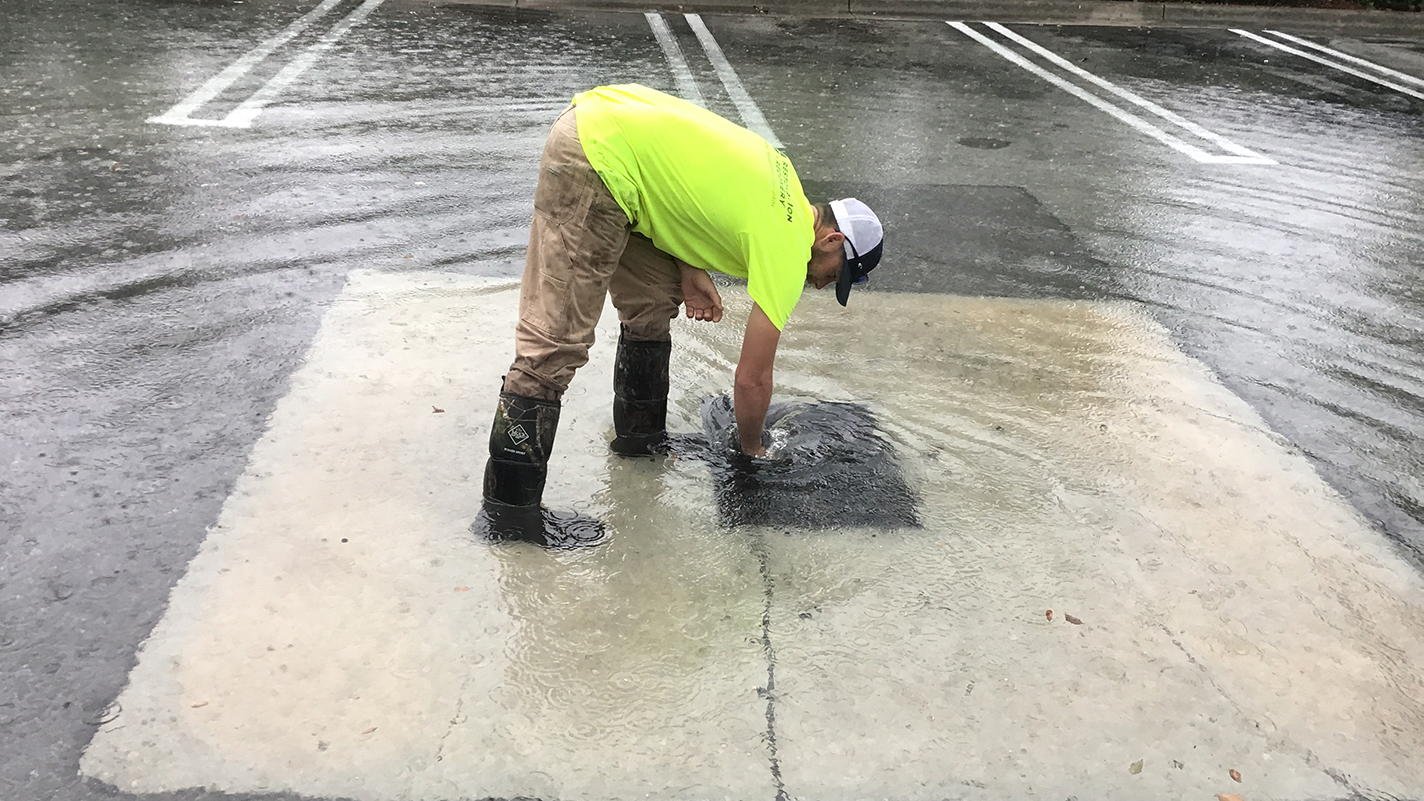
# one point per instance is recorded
(707, 191)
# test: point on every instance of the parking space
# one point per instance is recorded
(1148, 354)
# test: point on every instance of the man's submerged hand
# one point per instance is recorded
(699, 295)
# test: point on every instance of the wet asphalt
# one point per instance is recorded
(159, 283)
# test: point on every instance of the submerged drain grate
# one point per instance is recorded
(835, 469)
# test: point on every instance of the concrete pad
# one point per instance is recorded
(341, 634)
(1235, 612)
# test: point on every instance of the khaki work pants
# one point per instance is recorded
(580, 250)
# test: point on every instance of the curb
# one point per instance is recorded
(1047, 12)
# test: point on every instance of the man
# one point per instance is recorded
(639, 194)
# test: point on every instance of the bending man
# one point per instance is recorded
(639, 194)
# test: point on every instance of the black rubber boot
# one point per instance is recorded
(640, 397)
(521, 440)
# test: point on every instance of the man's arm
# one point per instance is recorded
(752, 393)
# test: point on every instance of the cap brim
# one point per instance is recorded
(844, 283)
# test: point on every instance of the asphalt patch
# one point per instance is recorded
(981, 241)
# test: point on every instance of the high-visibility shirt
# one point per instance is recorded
(704, 190)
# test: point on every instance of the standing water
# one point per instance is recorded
(1102, 530)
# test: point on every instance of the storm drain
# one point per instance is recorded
(832, 468)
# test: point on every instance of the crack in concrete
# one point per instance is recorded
(1309, 756)
(758, 548)
(454, 721)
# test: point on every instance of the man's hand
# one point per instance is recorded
(700, 295)
(752, 391)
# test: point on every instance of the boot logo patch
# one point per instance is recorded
(518, 434)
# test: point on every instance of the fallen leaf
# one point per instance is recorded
(436, 410)
(462, 589)
(200, 704)
(368, 731)
(1075, 621)
(1136, 768)
(1049, 613)
(1229, 797)
(1235, 775)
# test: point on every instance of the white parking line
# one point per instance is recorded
(1175, 119)
(179, 114)
(746, 107)
(248, 110)
(1327, 62)
(1347, 57)
(686, 84)
(1241, 155)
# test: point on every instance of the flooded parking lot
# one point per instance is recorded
(1145, 346)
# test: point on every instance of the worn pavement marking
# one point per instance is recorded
(1235, 612)
(248, 110)
(1175, 119)
(1240, 155)
(1346, 57)
(686, 84)
(179, 114)
(1327, 62)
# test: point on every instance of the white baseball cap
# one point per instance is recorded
(864, 235)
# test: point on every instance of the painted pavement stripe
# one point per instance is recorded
(247, 111)
(686, 84)
(1127, 117)
(1131, 97)
(1347, 57)
(751, 115)
(1327, 62)
(180, 114)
